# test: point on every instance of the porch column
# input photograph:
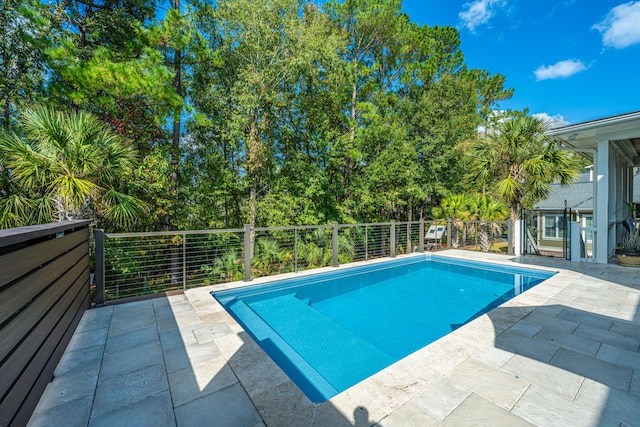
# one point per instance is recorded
(601, 204)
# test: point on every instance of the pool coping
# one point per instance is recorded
(392, 387)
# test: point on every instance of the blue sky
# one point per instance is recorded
(572, 60)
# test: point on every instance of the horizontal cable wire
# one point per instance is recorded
(145, 263)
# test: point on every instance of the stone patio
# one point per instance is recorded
(565, 353)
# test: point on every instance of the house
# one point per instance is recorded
(546, 225)
(613, 143)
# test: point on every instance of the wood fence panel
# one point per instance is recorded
(13, 264)
(44, 291)
(29, 287)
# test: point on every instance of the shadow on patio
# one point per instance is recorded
(583, 366)
(158, 363)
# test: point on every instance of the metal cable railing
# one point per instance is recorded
(134, 264)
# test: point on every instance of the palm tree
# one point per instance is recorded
(519, 161)
(65, 166)
(454, 207)
(270, 256)
(228, 267)
(486, 209)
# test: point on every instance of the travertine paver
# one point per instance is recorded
(284, 405)
(129, 387)
(73, 413)
(128, 360)
(558, 380)
(619, 356)
(564, 353)
(492, 356)
(550, 322)
(441, 397)
(614, 404)
(67, 388)
(607, 337)
(568, 340)
(541, 407)
(526, 346)
(199, 380)
(227, 407)
(409, 415)
(610, 374)
(499, 386)
(85, 361)
(585, 319)
(153, 411)
(476, 411)
(131, 339)
(526, 328)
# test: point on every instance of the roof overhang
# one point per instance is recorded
(622, 130)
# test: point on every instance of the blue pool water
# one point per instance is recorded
(330, 331)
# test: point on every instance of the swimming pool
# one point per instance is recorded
(330, 331)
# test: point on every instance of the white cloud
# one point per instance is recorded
(559, 70)
(621, 26)
(479, 12)
(554, 121)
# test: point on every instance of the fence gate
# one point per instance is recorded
(533, 229)
(530, 242)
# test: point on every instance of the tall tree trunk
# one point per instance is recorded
(513, 214)
(177, 121)
(253, 202)
(176, 259)
(352, 139)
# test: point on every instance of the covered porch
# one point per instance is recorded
(614, 145)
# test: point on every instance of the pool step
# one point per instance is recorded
(314, 385)
(340, 356)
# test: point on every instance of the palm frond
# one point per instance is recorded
(73, 189)
(123, 209)
(14, 211)
(45, 127)
(42, 211)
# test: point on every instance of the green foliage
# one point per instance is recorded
(267, 112)
(228, 267)
(65, 166)
(486, 209)
(24, 29)
(632, 240)
(519, 162)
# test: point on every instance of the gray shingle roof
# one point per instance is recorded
(578, 196)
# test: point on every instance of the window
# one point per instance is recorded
(587, 221)
(553, 227)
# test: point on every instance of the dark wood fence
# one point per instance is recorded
(44, 290)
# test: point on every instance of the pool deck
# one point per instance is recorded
(565, 353)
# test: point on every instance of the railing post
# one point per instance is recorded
(409, 243)
(184, 262)
(366, 243)
(334, 244)
(421, 235)
(247, 252)
(295, 250)
(449, 233)
(392, 239)
(99, 271)
(509, 237)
